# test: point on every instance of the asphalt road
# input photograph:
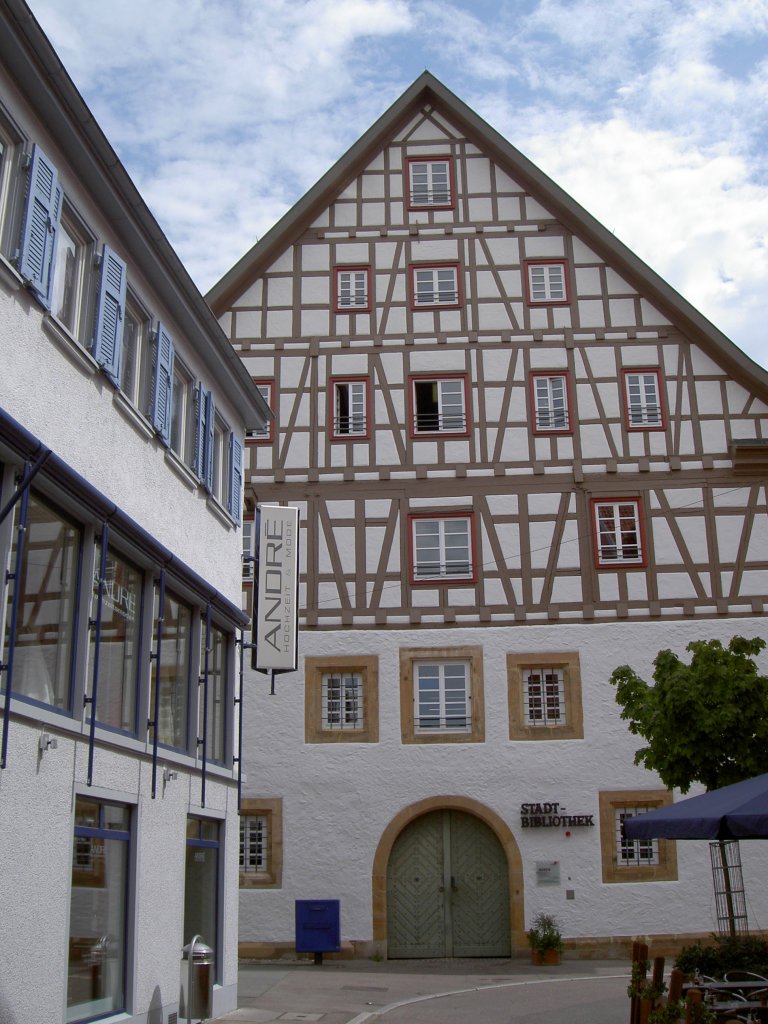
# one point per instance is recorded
(433, 992)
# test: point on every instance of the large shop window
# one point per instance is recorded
(626, 860)
(48, 584)
(172, 673)
(545, 696)
(98, 910)
(216, 721)
(261, 843)
(441, 695)
(201, 884)
(341, 699)
(120, 641)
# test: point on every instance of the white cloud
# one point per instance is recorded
(650, 112)
(694, 216)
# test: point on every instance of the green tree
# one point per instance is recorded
(703, 722)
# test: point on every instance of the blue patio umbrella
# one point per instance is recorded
(739, 811)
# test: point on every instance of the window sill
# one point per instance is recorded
(181, 469)
(9, 276)
(132, 414)
(220, 512)
(69, 344)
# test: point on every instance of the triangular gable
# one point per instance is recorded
(413, 113)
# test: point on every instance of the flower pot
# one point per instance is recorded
(545, 956)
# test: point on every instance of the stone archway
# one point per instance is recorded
(450, 803)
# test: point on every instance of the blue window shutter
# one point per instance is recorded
(199, 430)
(234, 505)
(108, 334)
(41, 221)
(210, 415)
(162, 395)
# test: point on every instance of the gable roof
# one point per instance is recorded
(428, 90)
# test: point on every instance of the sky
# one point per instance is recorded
(653, 114)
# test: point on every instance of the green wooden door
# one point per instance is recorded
(447, 889)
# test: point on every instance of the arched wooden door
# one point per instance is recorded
(447, 889)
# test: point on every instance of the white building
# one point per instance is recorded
(521, 460)
(122, 416)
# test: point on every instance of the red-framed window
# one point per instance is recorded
(265, 435)
(546, 282)
(435, 286)
(349, 408)
(352, 289)
(551, 402)
(643, 405)
(438, 404)
(618, 533)
(442, 547)
(430, 182)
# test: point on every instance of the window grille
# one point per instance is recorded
(342, 700)
(253, 843)
(545, 696)
(633, 852)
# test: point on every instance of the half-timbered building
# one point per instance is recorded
(520, 459)
(120, 509)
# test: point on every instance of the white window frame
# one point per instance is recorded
(547, 282)
(618, 535)
(435, 287)
(451, 395)
(633, 853)
(265, 389)
(550, 403)
(353, 423)
(70, 284)
(642, 390)
(182, 439)
(435, 543)
(254, 844)
(136, 377)
(442, 697)
(353, 289)
(220, 455)
(430, 183)
(11, 185)
(342, 702)
(247, 531)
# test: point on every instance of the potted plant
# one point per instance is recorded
(545, 939)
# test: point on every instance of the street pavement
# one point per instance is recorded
(432, 992)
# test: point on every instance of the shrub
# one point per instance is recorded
(726, 953)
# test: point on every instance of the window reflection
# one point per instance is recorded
(97, 916)
(119, 649)
(173, 672)
(47, 589)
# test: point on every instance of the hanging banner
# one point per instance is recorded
(277, 614)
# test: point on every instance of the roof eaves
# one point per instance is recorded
(31, 58)
(565, 209)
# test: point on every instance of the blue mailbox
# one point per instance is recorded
(318, 928)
